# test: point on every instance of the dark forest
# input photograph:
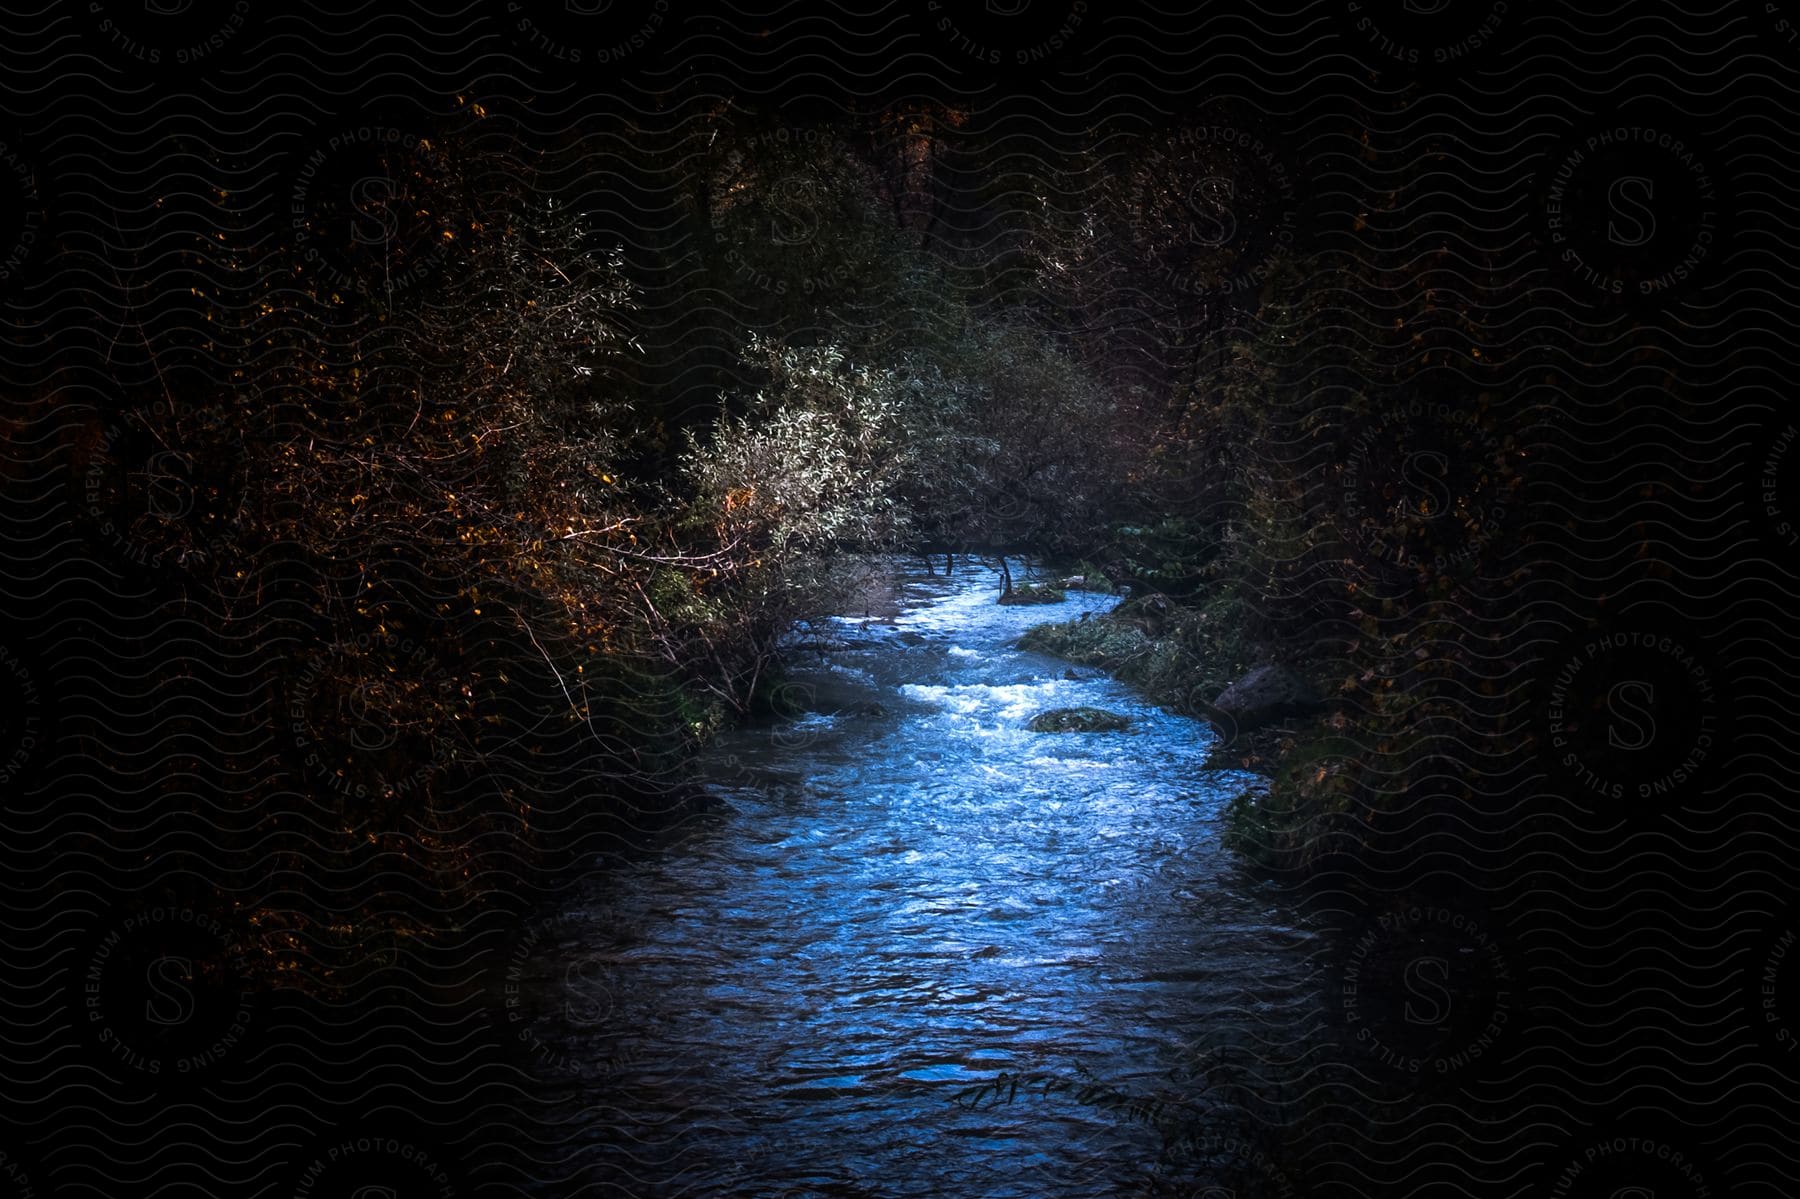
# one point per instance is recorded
(1004, 599)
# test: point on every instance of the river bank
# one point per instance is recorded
(1182, 658)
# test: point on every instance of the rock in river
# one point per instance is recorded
(1078, 720)
(1029, 593)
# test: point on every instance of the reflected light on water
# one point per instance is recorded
(907, 894)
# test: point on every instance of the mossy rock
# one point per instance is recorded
(1026, 593)
(1101, 643)
(1078, 720)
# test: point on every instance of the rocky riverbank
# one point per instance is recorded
(1195, 661)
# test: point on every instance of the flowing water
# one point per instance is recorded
(905, 895)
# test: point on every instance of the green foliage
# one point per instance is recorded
(781, 500)
(792, 224)
(1170, 555)
(1042, 462)
(1093, 578)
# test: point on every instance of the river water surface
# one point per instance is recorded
(904, 895)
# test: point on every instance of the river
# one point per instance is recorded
(903, 895)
